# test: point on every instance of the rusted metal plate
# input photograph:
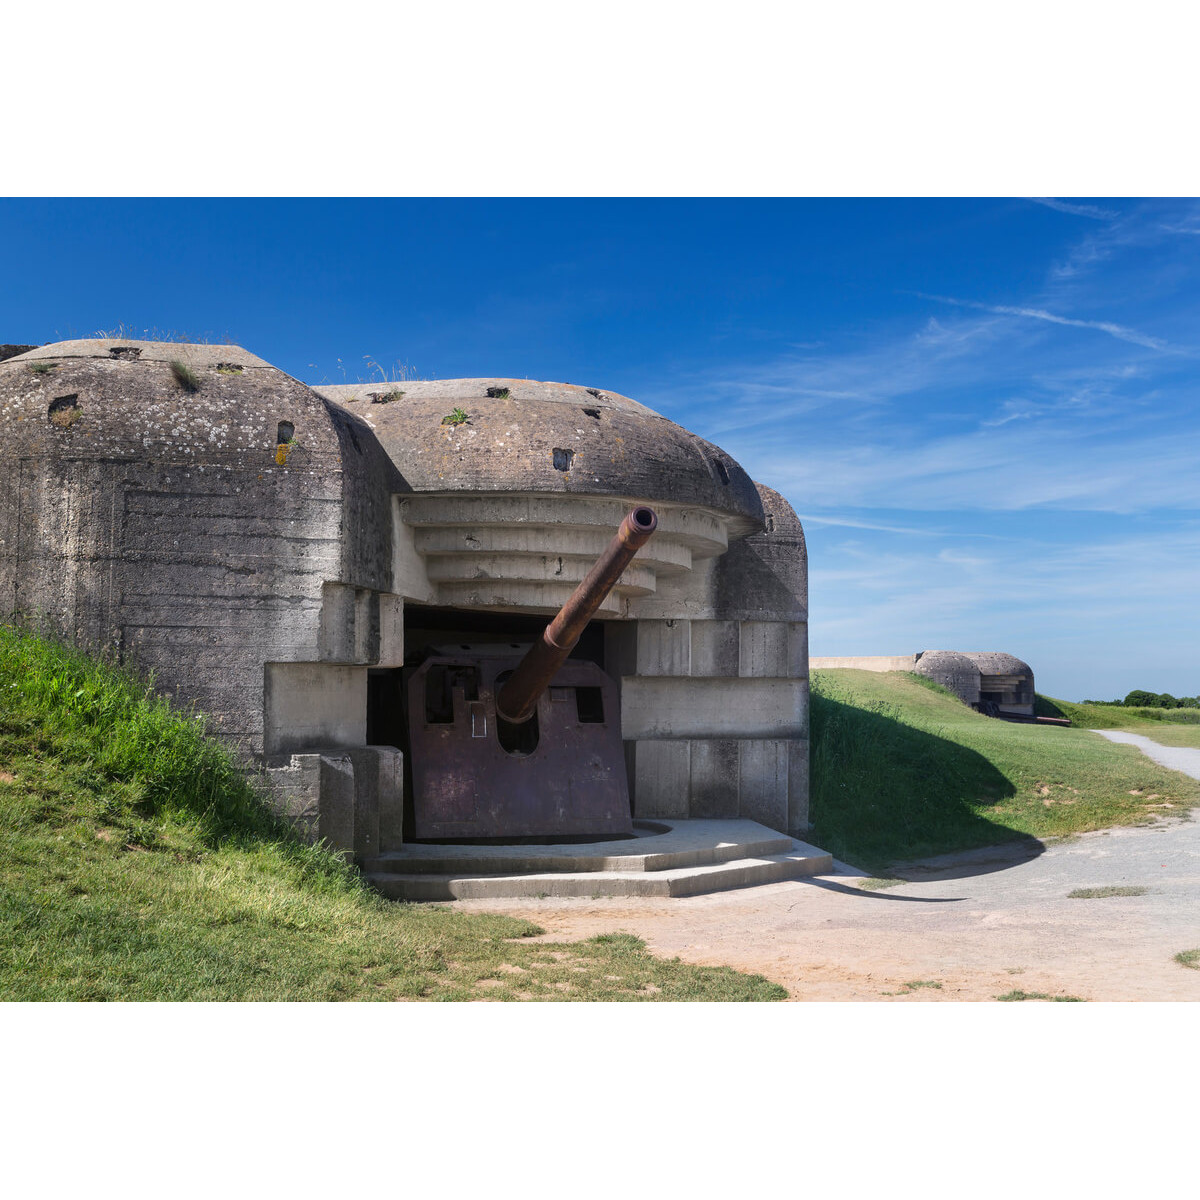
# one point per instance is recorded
(572, 783)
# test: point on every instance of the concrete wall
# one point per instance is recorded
(714, 684)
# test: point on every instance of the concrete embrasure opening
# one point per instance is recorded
(128, 353)
(563, 459)
(385, 711)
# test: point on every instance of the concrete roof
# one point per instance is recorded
(995, 662)
(530, 436)
(192, 353)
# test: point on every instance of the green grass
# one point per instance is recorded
(1189, 958)
(902, 770)
(1102, 893)
(138, 862)
(1019, 995)
(1114, 716)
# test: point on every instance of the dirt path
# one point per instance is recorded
(980, 925)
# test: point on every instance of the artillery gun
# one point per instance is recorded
(503, 746)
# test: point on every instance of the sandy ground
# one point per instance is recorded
(980, 925)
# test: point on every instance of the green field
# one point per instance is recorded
(1170, 726)
(137, 863)
(901, 769)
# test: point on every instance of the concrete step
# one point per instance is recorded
(798, 861)
(677, 844)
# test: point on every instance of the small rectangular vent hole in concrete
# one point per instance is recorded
(498, 393)
(286, 432)
(129, 353)
(562, 459)
(594, 413)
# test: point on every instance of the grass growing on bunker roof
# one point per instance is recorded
(901, 770)
(138, 862)
(185, 376)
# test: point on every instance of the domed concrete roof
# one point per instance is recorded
(994, 662)
(529, 437)
(117, 399)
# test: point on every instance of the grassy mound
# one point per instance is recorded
(902, 769)
(137, 862)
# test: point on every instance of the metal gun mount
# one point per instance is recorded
(508, 748)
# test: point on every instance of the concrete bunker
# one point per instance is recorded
(990, 681)
(281, 555)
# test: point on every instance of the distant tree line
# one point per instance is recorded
(1140, 699)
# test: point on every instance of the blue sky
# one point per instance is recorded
(984, 410)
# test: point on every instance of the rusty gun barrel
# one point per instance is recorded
(517, 699)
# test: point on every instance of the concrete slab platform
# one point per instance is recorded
(686, 859)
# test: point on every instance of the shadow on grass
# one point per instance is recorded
(885, 792)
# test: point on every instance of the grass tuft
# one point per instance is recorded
(1019, 995)
(185, 376)
(42, 367)
(1189, 958)
(1100, 893)
(455, 417)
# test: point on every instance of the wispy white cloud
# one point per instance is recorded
(1040, 314)
(1080, 210)
(841, 522)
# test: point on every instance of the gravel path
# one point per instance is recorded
(977, 925)
(1178, 758)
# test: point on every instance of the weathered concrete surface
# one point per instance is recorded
(545, 438)
(735, 628)
(693, 707)
(313, 704)
(952, 670)
(350, 798)
(687, 858)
